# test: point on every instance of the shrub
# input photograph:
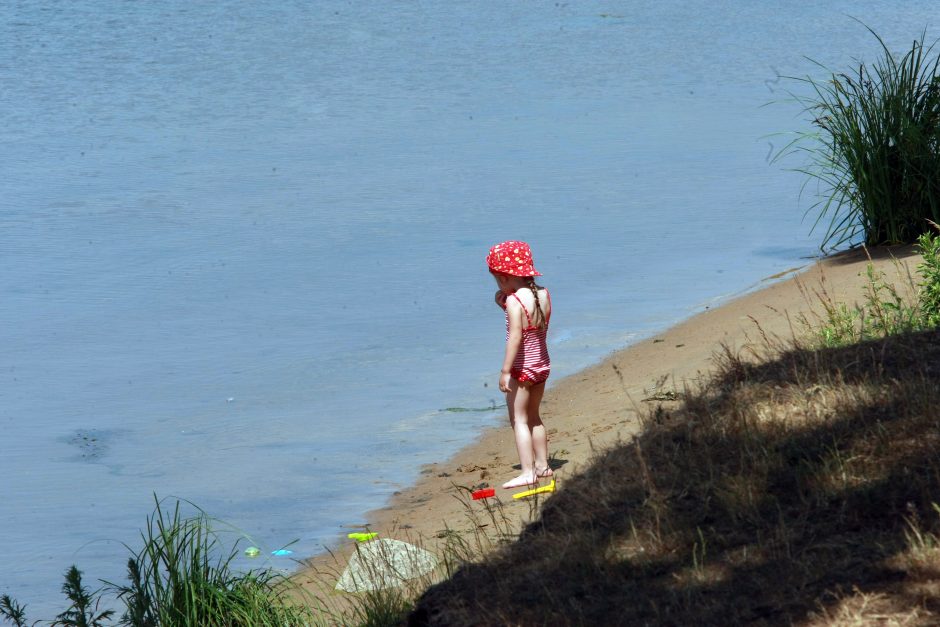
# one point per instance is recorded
(876, 148)
(929, 294)
(886, 310)
(83, 612)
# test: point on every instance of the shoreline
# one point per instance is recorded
(600, 405)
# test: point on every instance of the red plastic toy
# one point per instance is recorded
(484, 493)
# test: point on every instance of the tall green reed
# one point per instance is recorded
(875, 150)
(183, 576)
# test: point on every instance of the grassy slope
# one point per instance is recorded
(795, 489)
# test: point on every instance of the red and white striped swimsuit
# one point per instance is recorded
(532, 363)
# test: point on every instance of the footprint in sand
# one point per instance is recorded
(470, 468)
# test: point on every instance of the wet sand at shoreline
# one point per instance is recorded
(601, 405)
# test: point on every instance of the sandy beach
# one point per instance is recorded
(599, 406)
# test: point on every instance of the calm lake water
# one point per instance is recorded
(241, 243)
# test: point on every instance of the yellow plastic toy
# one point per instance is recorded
(543, 490)
(361, 537)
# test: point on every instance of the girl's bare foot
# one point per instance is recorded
(542, 473)
(522, 480)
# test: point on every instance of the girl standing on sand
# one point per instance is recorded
(526, 364)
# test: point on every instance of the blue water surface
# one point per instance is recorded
(242, 243)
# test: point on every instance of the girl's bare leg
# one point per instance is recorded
(537, 429)
(518, 402)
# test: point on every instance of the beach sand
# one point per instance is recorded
(599, 406)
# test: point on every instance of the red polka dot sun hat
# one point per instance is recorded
(513, 258)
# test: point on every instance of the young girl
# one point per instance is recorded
(526, 364)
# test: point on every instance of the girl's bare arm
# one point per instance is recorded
(513, 343)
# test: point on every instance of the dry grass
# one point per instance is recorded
(798, 488)
(486, 527)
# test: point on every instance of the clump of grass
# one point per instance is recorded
(181, 576)
(923, 545)
(887, 309)
(381, 608)
(875, 151)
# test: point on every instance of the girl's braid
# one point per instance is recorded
(540, 317)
